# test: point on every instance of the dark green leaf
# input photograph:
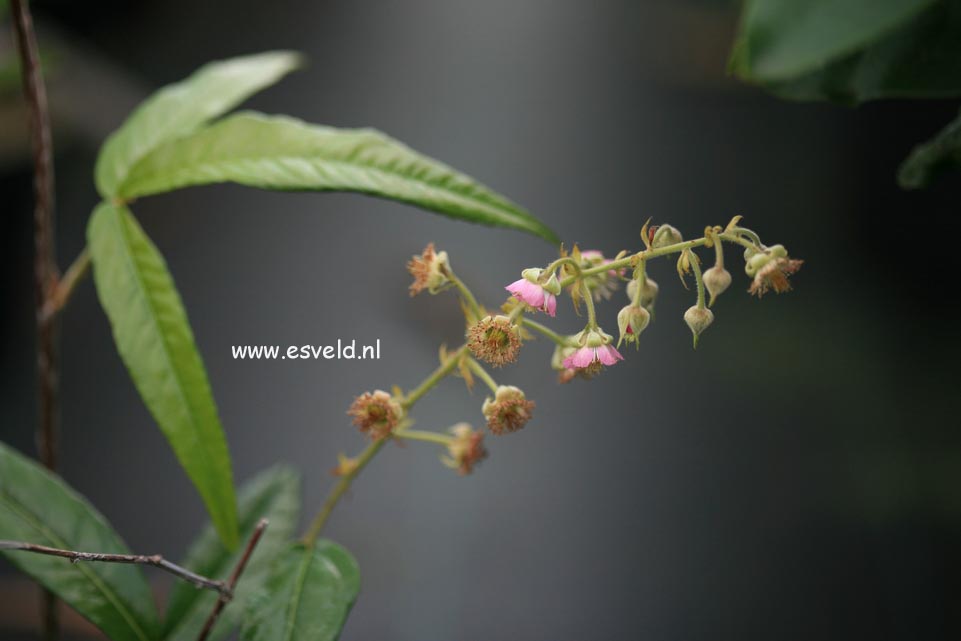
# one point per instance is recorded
(784, 39)
(274, 495)
(153, 336)
(308, 596)
(181, 108)
(38, 507)
(277, 152)
(919, 57)
(927, 160)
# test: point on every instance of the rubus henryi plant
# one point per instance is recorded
(276, 584)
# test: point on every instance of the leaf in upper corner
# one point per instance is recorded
(279, 152)
(38, 507)
(851, 51)
(933, 157)
(181, 108)
(308, 597)
(153, 336)
(274, 495)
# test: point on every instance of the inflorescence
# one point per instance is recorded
(496, 337)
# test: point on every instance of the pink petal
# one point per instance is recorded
(550, 304)
(534, 296)
(583, 357)
(515, 287)
(608, 355)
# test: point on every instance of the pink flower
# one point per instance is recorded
(596, 257)
(542, 296)
(594, 350)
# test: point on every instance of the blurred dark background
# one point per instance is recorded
(798, 477)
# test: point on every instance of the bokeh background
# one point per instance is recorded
(797, 477)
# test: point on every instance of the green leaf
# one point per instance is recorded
(153, 336)
(274, 495)
(931, 158)
(783, 39)
(181, 108)
(278, 152)
(892, 49)
(38, 507)
(308, 597)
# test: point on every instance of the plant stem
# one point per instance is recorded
(317, 525)
(718, 252)
(641, 279)
(478, 369)
(64, 289)
(699, 279)
(466, 294)
(139, 559)
(445, 368)
(234, 578)
(647, 254)
(735, 238)
(428, 437)
(589, 303)
(45, 267)
(546, 331)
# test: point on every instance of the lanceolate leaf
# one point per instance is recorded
(181, 108)
(154, 339)
(278, 152)
(927, 160)
(37, 507)
(892, 49)
(308, 596)
(274, 495)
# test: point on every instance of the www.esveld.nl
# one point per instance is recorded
(342, 350)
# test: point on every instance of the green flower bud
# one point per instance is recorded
(698, 319)
(666, 235)
(716, 280)
(631, 321)
(777, 251)
(648, 292)
(754, 265)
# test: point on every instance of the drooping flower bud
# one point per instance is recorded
(530, 290)
(756, 262)
(376, 414)
(648, 292)
(466, 450)
(716, 280)
(495, 340)
(698, 319)
(666, 235)
(508, 411)
(429, 271)
(631, 321)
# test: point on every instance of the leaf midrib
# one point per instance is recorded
(131, 261)
(503, 209)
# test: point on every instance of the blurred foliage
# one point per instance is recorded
(855, 51)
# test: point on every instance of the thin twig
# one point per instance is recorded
(64, 289)
(45, 267)
(234, 578)
(141, 559)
